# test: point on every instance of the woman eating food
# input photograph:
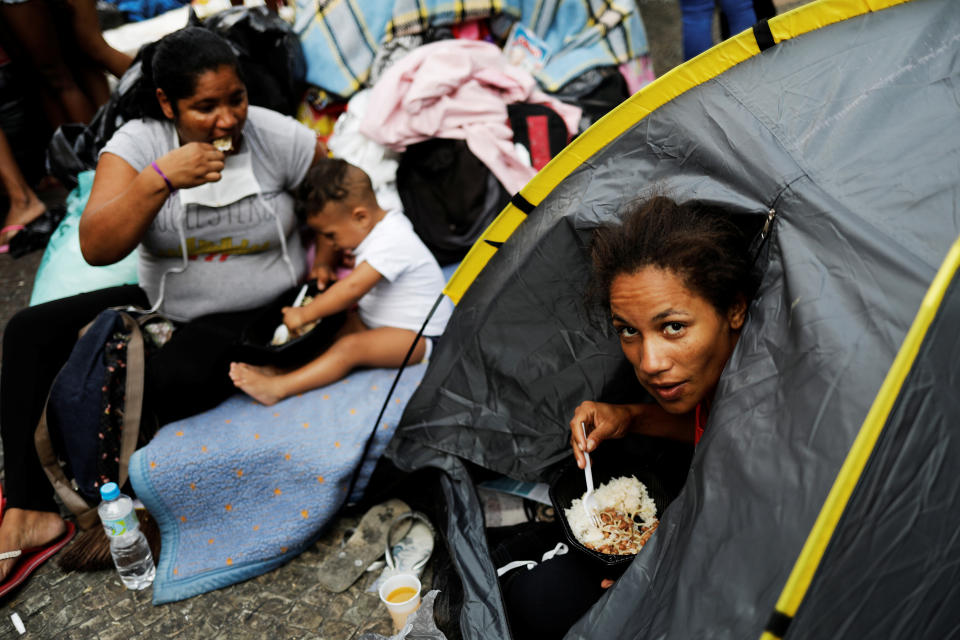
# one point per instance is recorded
(217, 240)
(677, 279)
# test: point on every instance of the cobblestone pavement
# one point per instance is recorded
(284, 603)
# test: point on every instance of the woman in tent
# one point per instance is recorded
(165, 188)
(677, 279)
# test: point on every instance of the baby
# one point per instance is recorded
(394, 284)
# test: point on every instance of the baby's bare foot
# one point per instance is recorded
(259, 383)
(23, 529)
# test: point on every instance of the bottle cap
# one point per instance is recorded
(110, 491)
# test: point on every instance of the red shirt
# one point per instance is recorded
(700, 421)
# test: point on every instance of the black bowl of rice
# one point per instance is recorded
(632, 486)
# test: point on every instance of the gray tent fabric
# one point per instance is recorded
(849, 135)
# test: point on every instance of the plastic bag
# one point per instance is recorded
(420, 624)
(271, 58)
(74, 147)
(63, 271)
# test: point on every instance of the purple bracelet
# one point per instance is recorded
(165, 178)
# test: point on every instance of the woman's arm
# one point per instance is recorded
(124, 202)
(605, 421)
(341, 295)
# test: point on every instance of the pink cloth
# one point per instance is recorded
(458, 89)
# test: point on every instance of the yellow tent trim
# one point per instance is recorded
(704, 67)
(813, 549)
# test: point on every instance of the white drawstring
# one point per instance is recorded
(559, 550)
(283, 240)
(183, 267)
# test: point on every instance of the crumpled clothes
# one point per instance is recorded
(459, 89)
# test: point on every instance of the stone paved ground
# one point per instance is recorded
(285, 603)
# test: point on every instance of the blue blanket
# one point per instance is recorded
(243, 488)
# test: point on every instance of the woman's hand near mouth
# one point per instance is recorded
(193, 164)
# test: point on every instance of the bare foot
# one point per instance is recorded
(260, 383)
(22, 212)
(23, 529)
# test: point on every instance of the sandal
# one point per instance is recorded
(37, 232)
(410, 553)
(343, 568)
(5, 248)
(30, 559)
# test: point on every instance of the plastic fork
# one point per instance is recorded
(282, 334)
(589, 500)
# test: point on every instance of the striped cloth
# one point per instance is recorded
(340, 38)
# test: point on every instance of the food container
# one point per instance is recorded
(660, 465)
(255, 347)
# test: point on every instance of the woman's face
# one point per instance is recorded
(217, 108)
(675, 339)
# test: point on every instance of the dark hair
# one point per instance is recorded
(700, 243)
(332, 180)
(174, 63)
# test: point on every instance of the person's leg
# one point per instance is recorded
(25, 206)
(36, 343)
(545, 601)
(33, 26)
(740, 14)
(189, 374)
(86, 29)
(697, 21)
(356, 346)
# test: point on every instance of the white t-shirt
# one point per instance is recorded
(411, 282)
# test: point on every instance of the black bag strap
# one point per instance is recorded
(86, 515)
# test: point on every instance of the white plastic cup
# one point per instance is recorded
(396, 592)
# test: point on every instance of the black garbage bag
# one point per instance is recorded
(74, 147)
(271, 62)
(271, 58)
(449, 195)
(596, 91)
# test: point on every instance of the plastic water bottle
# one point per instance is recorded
(128, 546)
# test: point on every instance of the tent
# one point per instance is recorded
(824, 498)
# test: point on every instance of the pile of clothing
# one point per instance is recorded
(452, 111)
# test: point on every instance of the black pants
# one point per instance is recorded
(185, 377)
(545, 601)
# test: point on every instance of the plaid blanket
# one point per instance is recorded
(340, 38)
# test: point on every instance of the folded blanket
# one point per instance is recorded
(243, 488)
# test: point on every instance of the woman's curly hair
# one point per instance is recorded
(699, 242)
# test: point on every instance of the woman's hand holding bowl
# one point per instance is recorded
(191, 165)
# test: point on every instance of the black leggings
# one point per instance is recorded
(187, 376)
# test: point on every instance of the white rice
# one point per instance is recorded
(625, 494)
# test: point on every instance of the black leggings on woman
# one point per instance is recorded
(187, 376)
